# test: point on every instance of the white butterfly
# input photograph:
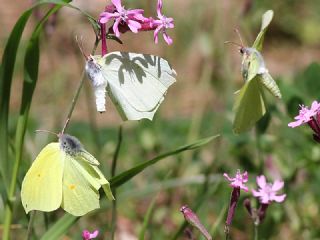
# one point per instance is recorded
(136, 83)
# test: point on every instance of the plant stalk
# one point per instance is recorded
(113, 172)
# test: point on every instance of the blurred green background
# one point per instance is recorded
(198, 105)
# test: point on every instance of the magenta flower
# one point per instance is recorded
(130, 18)
(305, 114)
(238, 181)
(162, 24)
(267, 192)
(86, 235)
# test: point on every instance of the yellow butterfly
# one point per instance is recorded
(64, 174)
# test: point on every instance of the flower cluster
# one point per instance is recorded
(267, 193)
(133, 20)
(311, 117)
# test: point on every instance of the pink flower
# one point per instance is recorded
(162, 24)
(305, 114)
(86, 235)
(267, 192)
(238, 181)
(122, 16)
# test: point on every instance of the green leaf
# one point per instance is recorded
(127, 175)
(31, 64)
(147, 218)
(7, 67)
(60, 227)
(266, 19)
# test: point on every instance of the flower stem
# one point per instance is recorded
(76, 96)
(113, 172)
(256, 231)
(30, 225)
(104, 49)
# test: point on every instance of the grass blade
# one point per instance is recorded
(127, 175)
(60, 227)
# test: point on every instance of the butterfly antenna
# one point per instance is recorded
(46, 131)
(239, 35)
(234, 43)
(80, 45)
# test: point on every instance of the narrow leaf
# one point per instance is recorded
(60, 227)
(127, 175)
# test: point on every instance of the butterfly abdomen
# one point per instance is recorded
(270, 84)
(94, 72)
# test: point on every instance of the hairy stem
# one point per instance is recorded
(76, 95)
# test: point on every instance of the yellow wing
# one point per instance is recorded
(42, 185)
(80, 189)
(249, 106)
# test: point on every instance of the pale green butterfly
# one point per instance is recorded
(136, 83)
(250, 106)
(64, 174)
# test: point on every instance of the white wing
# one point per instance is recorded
(137, 83)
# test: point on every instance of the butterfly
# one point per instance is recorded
(136, 83)
(64, 174)
(250, 106)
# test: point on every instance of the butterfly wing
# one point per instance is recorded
(41, 187)
(86, 156)
(270, 84)
(266, 19)
(249, 106)
(137, 83)
(81, 184)
(93, 174)
(80, 194)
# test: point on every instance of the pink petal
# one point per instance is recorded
(315, 106)
(227, 177)
(245, 176)
(167, 38)
(105, 17)
(159, 8)
(135, 12)
(277, 185)
(117, 3)
(279, 198)
(255, 193)
(155, 34)
(115, 27)
(261, 181)
(264, 199)
(94, 234)
(134, 26)
(295, 124)
(245, 188)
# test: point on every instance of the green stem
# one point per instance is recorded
(256, 232)
(113, 172)
(30, 225)
(76, 96)
(226, 231)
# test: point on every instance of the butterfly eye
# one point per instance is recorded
(241, 50)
